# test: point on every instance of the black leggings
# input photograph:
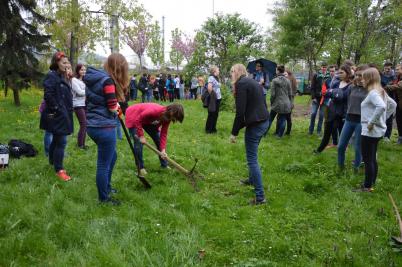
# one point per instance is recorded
(369, 153)
(330, 128)
(210, 125)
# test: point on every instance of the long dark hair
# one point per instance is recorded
(174, 112)
(77, 70)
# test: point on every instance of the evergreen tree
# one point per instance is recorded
(20, 44)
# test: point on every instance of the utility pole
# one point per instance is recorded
(163, 38)
(114, 32)
(213, 8)
(73, 39)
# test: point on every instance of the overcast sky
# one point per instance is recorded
(189, 15)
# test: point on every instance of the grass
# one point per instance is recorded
(312, 218)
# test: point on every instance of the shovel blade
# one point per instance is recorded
(146, 184)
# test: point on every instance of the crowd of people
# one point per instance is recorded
(355, 103)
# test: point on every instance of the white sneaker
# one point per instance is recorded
(387, 140)
(143, 172)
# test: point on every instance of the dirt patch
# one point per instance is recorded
(301, 110)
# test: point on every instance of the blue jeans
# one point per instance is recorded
(315, 107)
(347, 131)
(148, 95)
(105, 139)
(281, 125)
(252, 139)
(56, 151)
(153, 132)
(118, 130)
(47, 140)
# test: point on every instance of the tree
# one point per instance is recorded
(155, 46)
(304, 28)
(176, 57)
(137, 29)
(185, 46)
(20, 44)
(74, 28)
(225, 40)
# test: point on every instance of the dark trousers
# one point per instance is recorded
(329, 128)
(177, 93)
(210, 125)
(56, 151)
(133, 94)
(389, 122)
(162, 94)
(82, 119)
(369, 153)
(288, 124)
(171, 96)
(153, 132)
(281, 123)
(193, 93)
(156, 95)
(399, 121)
(105, 139)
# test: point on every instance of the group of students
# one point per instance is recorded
(104, 89)
(361, 107)
(355, 102)
(164, 87)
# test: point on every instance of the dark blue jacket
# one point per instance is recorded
(338, 104)
(98, 114)
(57, 117)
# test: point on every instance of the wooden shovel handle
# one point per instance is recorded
(398, 216)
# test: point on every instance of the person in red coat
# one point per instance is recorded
(155, 120)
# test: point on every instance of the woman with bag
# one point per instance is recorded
(57, 117)
(215, 86)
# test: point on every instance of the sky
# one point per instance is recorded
(189, 15)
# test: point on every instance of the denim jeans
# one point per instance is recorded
(281, 122)
(148, 95)
(133, 94)
(153, 132)
(118, 130)
(348, 129)
(252, 139)
(315, 107)
(47, 140)
(105, 139)
(56, 151)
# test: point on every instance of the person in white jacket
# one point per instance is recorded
(78, 91)
(375, 109)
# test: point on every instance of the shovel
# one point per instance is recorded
(142, 178)
(396, 239)
(192, 175)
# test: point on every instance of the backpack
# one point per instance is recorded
(19, 148)
(171, 84)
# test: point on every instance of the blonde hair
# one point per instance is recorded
(237, 71)
(372, 79)
(201, 81)
(117, 67)
(213, 69)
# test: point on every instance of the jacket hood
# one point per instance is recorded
(92, 76)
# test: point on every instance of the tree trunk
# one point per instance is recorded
(341, 44)
(5, 88)
(73, 39)
(16, 94)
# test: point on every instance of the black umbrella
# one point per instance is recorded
(269, 67)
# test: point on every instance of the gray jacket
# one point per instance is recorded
(280, 95)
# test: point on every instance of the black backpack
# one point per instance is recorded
(171, 84)
(19, 148)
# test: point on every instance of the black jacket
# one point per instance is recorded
(57, 117)
(251, 106)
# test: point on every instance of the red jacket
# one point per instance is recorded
(146, 114)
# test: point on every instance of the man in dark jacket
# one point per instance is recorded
(387, 78)
(321, 77)
(396, 89)
(133, 88)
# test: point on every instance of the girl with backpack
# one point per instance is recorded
(170, 86)
(215, 86)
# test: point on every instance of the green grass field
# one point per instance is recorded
(312, 217)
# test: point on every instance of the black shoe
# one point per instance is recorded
(316, 152)
(245, 182)
(111, 201)
(255, 202)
